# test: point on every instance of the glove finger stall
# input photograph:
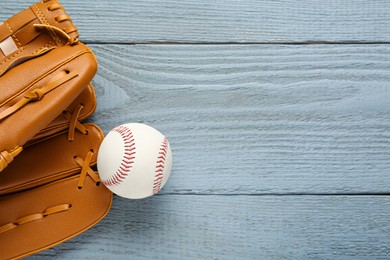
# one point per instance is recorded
(19, 127)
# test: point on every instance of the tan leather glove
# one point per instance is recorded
(43, 68)
(50, 192)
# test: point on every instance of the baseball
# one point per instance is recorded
(134, 160)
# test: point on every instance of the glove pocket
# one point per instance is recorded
(51, 159)
(40, 218)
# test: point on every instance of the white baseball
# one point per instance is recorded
(134, 160)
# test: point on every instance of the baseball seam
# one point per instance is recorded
(160, 165)
(128, 157)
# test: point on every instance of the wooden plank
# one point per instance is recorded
(257, 119)
(222, 21)
(237, 227)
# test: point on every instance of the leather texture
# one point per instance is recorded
(31, 33)
(87, 100)
(17, 128)
(50, 192)
(39, 47)
(45, 202)
(56, 157)
(88, 205)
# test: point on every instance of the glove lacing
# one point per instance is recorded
(7, 157)
(71, 40)
(36, 216)
(38, 93)
(61, 17)
(74, 123)
(86, 170)
(84, 164)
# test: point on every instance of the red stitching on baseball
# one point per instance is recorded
(160, 164)
(128, 159)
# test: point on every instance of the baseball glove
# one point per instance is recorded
(50, 192)
(43, 68)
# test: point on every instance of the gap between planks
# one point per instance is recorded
(384, 194)
(241, 43)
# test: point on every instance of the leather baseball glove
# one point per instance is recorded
(49, 190)
(43, 68)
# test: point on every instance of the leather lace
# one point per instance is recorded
(61, 17)
(74, 123)
(35, 216)
(7, 157)
(86, 170)
(71, 40)
(39, 93)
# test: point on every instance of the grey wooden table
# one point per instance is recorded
(278, 113)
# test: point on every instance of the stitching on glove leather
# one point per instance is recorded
(37, 94)
(44, 20)
(12, 34)
(46, 47)
(53, 30)
(11, 57)
(36, 216)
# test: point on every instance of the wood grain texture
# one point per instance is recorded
(261, 134)
(257, 119)
(237, 227)
(224, 20)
